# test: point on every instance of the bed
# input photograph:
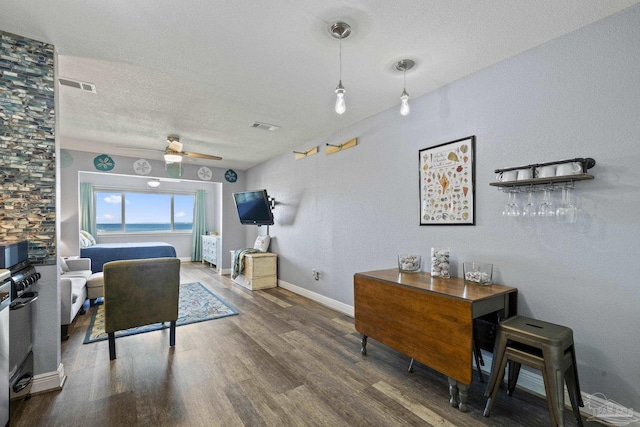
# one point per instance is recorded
(105, 252)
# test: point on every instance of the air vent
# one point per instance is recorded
(87, 87)
(264, 126)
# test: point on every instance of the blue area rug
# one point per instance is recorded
(196, 304)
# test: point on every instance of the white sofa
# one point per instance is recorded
(76, 272)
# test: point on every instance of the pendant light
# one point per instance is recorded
(340, 30)
(404, 65)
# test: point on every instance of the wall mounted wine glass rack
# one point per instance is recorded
(586, 163)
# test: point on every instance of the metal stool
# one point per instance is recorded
(543, 346)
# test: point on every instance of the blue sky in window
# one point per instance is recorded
(183, 208)
(108, 208)
(143, 208)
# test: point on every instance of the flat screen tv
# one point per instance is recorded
(253, 207)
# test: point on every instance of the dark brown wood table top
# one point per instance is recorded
(453, 287)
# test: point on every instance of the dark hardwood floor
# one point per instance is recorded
(283, 361)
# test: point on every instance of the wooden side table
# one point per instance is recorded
(428, 319)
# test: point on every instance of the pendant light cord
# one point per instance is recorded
(404, 84)
(341, 57)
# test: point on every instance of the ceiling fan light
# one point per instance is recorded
(172, 158)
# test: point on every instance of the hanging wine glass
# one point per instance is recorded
(547, 209)
(507, 207)
(566, 213)
(530, 210)
(515, 207)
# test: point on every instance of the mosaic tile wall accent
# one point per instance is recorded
(27, 146)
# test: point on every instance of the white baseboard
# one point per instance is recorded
(320, 299)
(49, 381)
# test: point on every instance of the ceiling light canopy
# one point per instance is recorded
(404, 65)
(340, 30)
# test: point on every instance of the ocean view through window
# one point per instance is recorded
(139, 212)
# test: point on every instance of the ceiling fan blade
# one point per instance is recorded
(201, 156)
(126, 147)
(174, 148)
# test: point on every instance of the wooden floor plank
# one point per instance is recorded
(282, 361)
(421, 411)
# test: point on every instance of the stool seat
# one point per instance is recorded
(537, 333)
(541, 345)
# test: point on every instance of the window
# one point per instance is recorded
(131, 212)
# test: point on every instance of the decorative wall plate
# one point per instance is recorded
(204, 173)
(142, 167)
(103, 162)
(231, 175)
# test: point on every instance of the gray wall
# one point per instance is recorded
(46, 320)
(577, 96)
(221, 214)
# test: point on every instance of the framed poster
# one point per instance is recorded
(447, 183)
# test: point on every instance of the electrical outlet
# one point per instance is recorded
(316, 274)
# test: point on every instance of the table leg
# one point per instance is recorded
(464, 389)
(458, 393)
(453, 392)
(363, 350)
(477, 354)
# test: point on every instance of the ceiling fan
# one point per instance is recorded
(173, 152)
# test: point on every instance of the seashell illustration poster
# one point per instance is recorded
(447, 180)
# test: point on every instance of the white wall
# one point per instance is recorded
(577, 96)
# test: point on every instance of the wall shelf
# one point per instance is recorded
(551, 181)
(543, 181)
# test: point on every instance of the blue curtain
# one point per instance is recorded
(87, 207)
(199, 225)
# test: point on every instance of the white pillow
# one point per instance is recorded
(89, 237)
(63, 265)
(262, 243)
(84, 242)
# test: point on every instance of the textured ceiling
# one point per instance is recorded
(205, 70)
